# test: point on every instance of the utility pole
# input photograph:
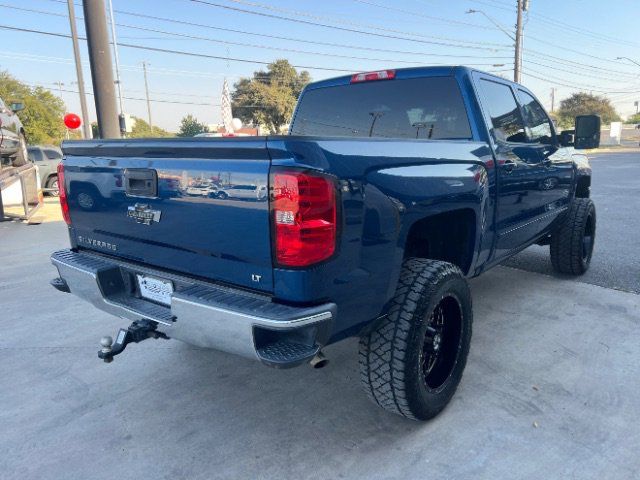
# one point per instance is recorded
(123, 128)
(86, 127)
(146, 91)
(517, 63)
(59, 84)
(553, 99)
(95, 21)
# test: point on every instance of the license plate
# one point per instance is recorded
(155, 289)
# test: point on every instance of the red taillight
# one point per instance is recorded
(372, 76)
(63, 195)
(304, 217)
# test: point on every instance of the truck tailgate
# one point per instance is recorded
(197, 206)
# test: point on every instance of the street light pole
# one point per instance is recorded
(117, 64)
(95, 21)
(86, 127)
(146, 91)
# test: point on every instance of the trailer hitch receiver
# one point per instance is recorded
(136, 332)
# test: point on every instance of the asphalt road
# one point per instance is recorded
(616, 258)
(550, 389)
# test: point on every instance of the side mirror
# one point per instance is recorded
(567, 138)
(16, 106)
(587, 132)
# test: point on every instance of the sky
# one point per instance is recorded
(569, 45)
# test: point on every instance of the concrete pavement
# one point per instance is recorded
(550, 391)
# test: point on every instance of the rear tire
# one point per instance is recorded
(52, 182)
(572, 243)
(412, 361)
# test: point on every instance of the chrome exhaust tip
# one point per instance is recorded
(319, 361)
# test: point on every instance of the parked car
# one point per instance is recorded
(13, 140)
(391, 190)
(47, 157)
(202, 190)
(243, 192)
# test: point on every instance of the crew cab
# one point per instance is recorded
(390, 191)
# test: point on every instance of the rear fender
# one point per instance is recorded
(451, 193)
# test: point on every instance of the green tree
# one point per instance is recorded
(633, 119)
(270, 97)
(586, 104)
(43, 111)
(190, 127)
(142, 129)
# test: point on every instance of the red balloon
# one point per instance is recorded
(72, 121)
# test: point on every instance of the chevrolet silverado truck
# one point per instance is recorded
(390, 191)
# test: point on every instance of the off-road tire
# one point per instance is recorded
(392, 353)
(569, 252)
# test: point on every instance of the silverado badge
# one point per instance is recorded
(142, 213)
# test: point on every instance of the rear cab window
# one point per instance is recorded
(415, 108)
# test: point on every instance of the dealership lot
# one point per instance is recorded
(550, 390)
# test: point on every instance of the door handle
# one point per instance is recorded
(509, 165)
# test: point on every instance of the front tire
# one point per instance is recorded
(412, 361)
(572, 243)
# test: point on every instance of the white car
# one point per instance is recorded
(244, 192)
(202, 190)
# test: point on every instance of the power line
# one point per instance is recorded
(583, 66)
(291, 50)
(582, 74)
(557, 23)
(155, 100)
(552, 80)
(313, 16)
(288, 39)
(422, 15)
(175, 52)
(472, 45)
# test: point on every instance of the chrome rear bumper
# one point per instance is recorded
(201, 313)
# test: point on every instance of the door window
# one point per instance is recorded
(536, 120)
(504, 112)
(53, 154)
(35, 155)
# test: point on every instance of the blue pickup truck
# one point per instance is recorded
(391, 189)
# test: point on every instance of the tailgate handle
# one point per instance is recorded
(141, 182)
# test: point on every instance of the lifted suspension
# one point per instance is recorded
(136, 332)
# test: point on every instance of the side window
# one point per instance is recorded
(505, 115)
(536, 120)
(35, 154)
(53, 154)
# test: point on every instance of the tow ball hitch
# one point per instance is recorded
(138, 331)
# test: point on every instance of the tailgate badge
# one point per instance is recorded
(142, 213)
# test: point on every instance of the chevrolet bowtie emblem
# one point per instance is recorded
(142, 213)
